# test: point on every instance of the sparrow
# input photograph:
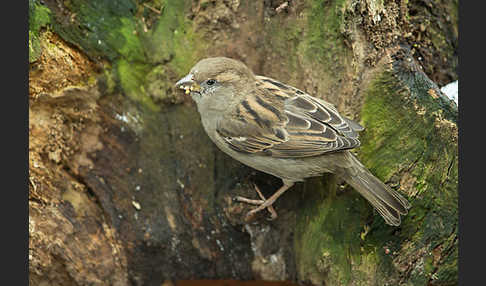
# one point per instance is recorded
(283, 131)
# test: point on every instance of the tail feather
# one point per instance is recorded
(389, 203)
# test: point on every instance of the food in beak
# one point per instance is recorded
(187, 89)
(187, 84)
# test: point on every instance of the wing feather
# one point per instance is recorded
(281, 121)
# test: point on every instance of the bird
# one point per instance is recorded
(281, 130)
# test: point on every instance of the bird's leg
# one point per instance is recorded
(266, 203)
(272, 211)
(249, 201)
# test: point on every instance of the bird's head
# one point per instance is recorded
(212, 79)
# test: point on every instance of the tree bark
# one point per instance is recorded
(127, 189)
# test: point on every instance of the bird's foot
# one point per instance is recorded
(262, 204)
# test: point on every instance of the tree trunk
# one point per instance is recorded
(127, 189)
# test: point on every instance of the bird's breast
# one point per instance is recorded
(290, 169)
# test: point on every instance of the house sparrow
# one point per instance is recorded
(283, 131)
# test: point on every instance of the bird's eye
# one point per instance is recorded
(210, 82)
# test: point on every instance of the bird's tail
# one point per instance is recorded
(389, 203)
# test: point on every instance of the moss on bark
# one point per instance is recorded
(39, 17)
(403, 140)
(119, 32)
(335, 241)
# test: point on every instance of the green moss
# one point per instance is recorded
(324, 40)
(119, 32)
(285, 38)
(331, 244)
(102, 28)
(309, 40)
(317, 36)
(109, 80)
(390, 146)
(132, 79)
(39, 17)
(173, 40)
(130, 48)
(447, 274)
(328, 239)
(158, 83)
(396, 140)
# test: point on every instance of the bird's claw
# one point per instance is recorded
(249, 216)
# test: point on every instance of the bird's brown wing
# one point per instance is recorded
(282, 121)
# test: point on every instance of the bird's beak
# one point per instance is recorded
(188, 84)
